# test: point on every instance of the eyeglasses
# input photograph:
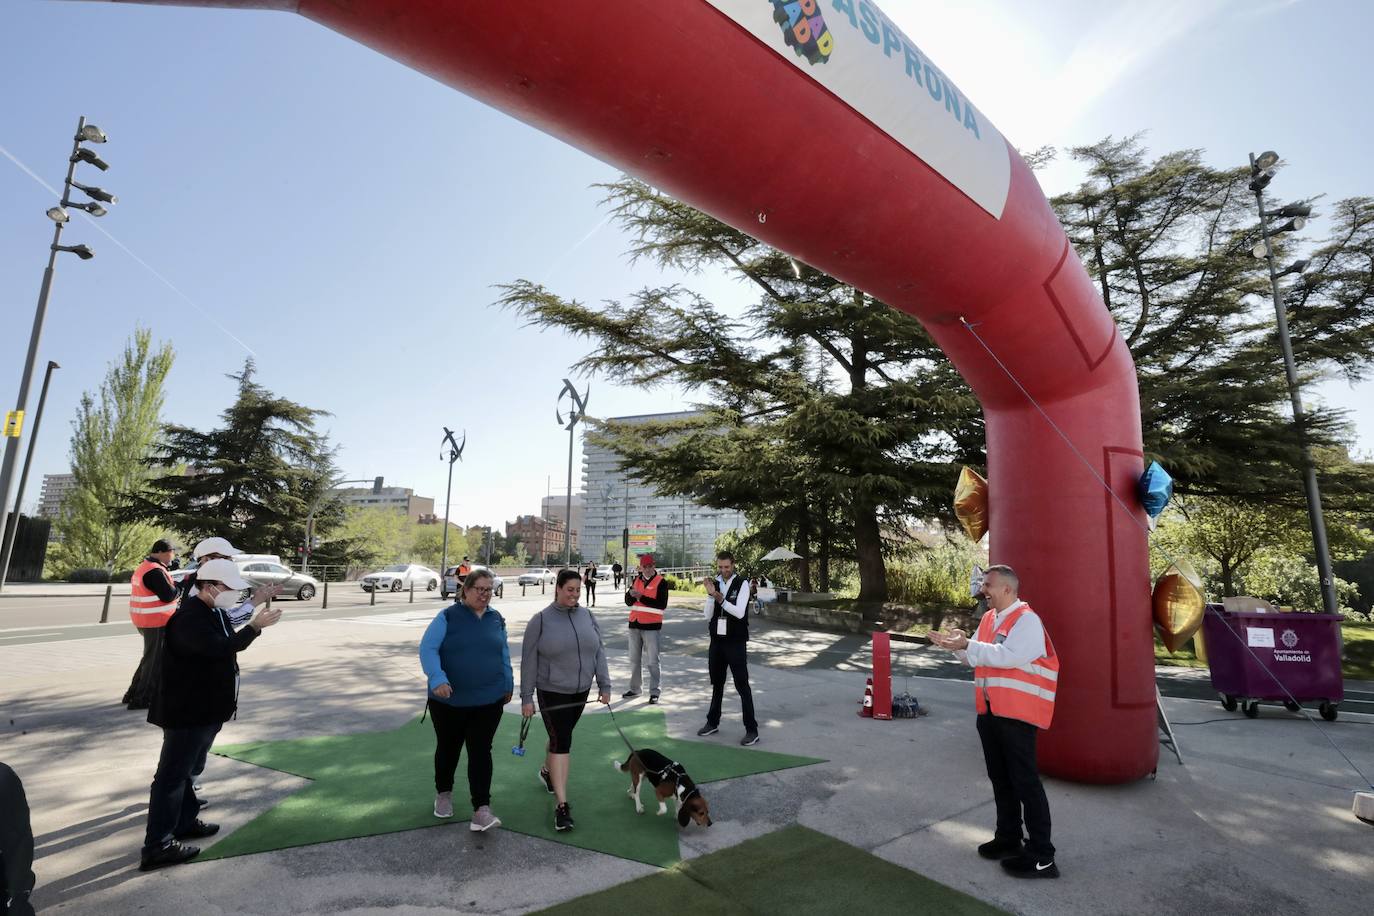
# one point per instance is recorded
(484, 590)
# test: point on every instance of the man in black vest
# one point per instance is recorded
(727, 610)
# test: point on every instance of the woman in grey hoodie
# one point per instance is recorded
(560, 656)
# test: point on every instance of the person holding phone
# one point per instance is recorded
(727, 615)
(560, 656)
(196, 694)
(647, 597)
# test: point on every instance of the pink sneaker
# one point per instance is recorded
(483, 819)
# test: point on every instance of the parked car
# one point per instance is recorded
(536, 576)
(299, 584)
(450, 583)
(603, 572)
(266, 572)
(401, 576)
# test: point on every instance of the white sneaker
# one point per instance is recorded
(443, 804)
(483, 819)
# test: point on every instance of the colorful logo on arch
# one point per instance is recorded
(803, 27)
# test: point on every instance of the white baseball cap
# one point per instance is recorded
(220, 546)
(221, 571)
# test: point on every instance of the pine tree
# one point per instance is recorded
(253, 480)
(828, 408)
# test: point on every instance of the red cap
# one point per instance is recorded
(646, 559)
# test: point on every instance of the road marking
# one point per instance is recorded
(29, 635)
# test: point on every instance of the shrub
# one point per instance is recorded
(937, 575)
(88, 575)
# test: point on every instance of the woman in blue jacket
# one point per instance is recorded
(466, 657)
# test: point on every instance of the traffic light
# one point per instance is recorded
(376, 485)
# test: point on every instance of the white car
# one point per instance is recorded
(450, 586)
(400, 576)
(604, 573)
(536, 576)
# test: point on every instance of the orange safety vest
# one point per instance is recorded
(1025, 693)
(463, 570)
(638, 612)
(146, 609)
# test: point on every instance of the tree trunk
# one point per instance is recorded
(1228, 579)
(868, 549)
(823, 554)
(804, 546)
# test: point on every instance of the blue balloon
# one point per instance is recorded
(1156, 489)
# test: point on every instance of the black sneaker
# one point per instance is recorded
(999, 848)
(203, 802)
(707, 729)
(1026, 866)
(173, 853)
(197, 830)
(751, 737)
(544, 778)
(562, 818)
(653, 699)
(628, 695)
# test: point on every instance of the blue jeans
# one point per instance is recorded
(172, 805)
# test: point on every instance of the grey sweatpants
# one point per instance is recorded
(644, 644)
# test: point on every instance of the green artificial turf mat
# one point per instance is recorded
(793, 871)
(383, 782)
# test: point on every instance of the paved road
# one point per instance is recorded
(30, 620)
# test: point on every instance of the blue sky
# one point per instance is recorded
(345, 219)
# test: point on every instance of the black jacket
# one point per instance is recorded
(199, 683)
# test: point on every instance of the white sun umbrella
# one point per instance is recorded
(781, 553)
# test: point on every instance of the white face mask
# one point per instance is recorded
(227, 599)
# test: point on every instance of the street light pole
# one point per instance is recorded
(576, 411)
(454, 453)
(59, 216)
(1314, 499)
(12, 528)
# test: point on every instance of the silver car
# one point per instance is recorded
(261, 572)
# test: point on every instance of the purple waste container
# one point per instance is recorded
(1247, 650)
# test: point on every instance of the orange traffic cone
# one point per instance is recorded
(867, 709)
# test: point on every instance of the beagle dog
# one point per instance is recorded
(669, 778)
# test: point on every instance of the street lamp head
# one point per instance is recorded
(96, 193)
(86, 155)
(1261, 249)
(1296, 267)
(58, 215)
(1261, 180)
(1293, 225)
(1265, 160)
(91, 134)
(81, 251)
(93, 208)
(1303, 210)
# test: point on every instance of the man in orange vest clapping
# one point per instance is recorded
(152, 600)
(1015, 674)
(647, 598)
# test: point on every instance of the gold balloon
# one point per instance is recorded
(971, 503)
(1178, 604)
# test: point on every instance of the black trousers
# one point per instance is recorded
(459, 726)
(149, 670)
(16, 846)
(1009, 751)
(172, 804)
(590, 585)
(731, 655)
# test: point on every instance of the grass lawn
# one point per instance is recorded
(793, 871)
(1358, 661)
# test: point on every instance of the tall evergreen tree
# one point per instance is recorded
(254, 480)
(1168, 242)
(821, 400)
(113, 435)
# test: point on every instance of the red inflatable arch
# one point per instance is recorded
(820, 128)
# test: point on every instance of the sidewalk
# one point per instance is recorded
(1257, 821)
